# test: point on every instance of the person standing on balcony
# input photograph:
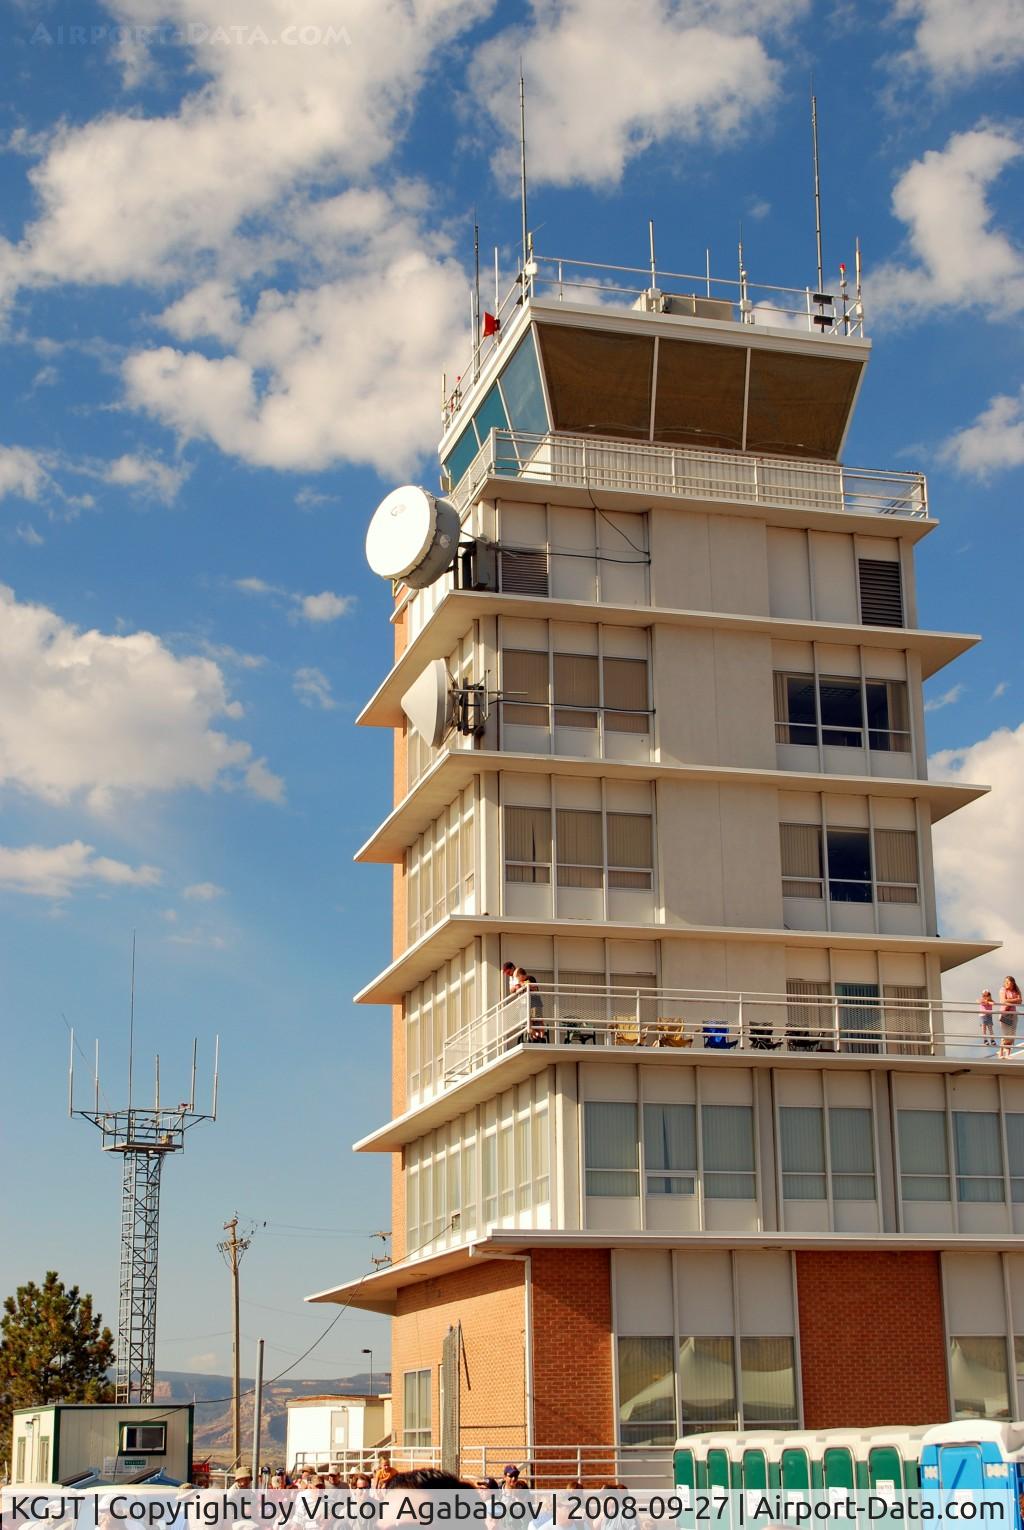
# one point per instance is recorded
(1009, 1001)
(985, 1008)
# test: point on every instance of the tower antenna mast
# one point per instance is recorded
(817, 188)
(522, 168)
(144, 1136)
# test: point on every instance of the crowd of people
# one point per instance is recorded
(386, 1479)
(1008, 1004)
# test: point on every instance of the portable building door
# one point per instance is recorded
(960, 1466)
(838, 1468)
(796, 1471)
(885, 1468)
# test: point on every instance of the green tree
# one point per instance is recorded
(53, 1348)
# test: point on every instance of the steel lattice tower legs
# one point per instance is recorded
(140, 1235)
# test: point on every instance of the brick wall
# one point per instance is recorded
(487, 1298)
(572, 1347)
(871, 1339)
(572, 1356)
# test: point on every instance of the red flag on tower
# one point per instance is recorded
(491, 325)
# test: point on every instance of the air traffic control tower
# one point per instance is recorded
(726, 1160)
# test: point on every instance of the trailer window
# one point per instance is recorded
(144, 1439)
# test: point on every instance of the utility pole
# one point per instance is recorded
(233, 1248)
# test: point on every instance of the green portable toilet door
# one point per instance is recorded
(885, 1468)
(837, 1464)
(719, 1475)
(685, 1475)
(796, 1471)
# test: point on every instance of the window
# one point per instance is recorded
(521, 389)
(881, 592)
(896, 865)
(924, 1160)
(625, 696)
(796, 711)
(727, 1138)
(670, 1149)
(19, 1460)
(852, 1153)
(43, 1468)
(143, 1439)
(581, 836)
(841, 721)
(416, 1410)
(707, 1384)
(580, 851)
(888, 715)
(808, 1016)
(528, 844)
(835, 712)
(802, 1150)
(767, 1382)
(581, 687)
(849, 865)
(630, 850)
(978, 1379)
(647, 1391)
(611, 1149)
(1014, 1123)
(801, 860)
(577, 690)
(979, 1159)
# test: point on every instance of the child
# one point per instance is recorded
(985, 1008)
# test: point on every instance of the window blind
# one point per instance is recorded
(801, 860)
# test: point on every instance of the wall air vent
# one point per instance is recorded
(524, 572)
(881, 592)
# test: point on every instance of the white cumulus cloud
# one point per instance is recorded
(959, 40)
(959, 257)
(342, 371)
(605, 81)
(994, 442)
(203, 892)
(148, 475)
(977, 856)
(313, 688)
(45, 871)
(22, 472)
(92, 714)
(325, 607)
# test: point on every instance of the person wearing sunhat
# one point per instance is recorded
(242, 1482)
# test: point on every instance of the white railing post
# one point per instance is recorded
(835, 1022)
(739, 1020)
(931, 1027)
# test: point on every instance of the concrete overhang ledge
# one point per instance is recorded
(379, 1291)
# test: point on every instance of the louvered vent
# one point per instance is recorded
(881, 593)
(524, 573)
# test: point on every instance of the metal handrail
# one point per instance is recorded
(691, 472)
(559, 276)
(711, 1021)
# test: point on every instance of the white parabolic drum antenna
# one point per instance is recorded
(428, 703)
(413, 536)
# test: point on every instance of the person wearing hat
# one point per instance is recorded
(242, 1482)
(510, 1479)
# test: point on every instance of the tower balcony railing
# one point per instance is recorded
(708, 1022)
(638, 467)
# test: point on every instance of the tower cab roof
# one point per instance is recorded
(668, 369)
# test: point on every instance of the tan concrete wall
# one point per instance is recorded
(702, 562)
(719, 848)
(713, 697)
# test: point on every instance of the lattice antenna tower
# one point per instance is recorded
(144, 1135)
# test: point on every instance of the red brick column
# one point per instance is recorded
(872, 1342)
(572, 1354)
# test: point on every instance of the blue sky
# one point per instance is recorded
(235, 245)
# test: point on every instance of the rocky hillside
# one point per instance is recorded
(213, 1407)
